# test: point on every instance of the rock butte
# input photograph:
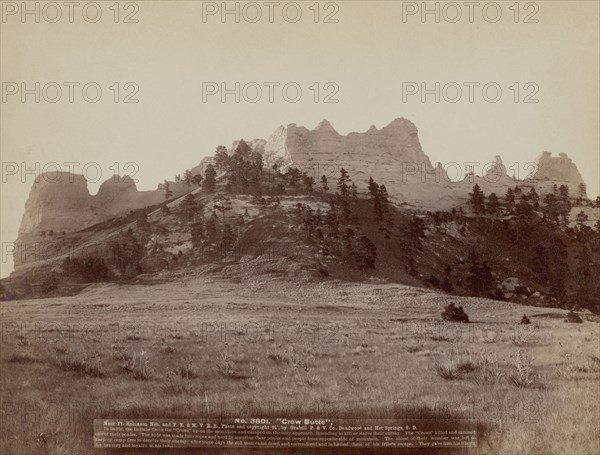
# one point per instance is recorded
(391, 155)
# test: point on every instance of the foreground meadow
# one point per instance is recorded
(208, 346)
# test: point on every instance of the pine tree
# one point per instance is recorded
(197, 232)
(188, 206)
(563, 193)
(523, 209)
(373, 187)
(227, 239)
(534, 198)
(477, 199)
(366, 253)
(378, 208)
(510, 198)
(331, 220)
(385, 198)
(222, 159)
(197, 179)
(344, 195)
(416, 229)
(353, 192)
(308, 221)
(209, 183)
(211, 227)
(551, 208)
(324, 183)
(308, 183)
(518, 191)
(293, 175)
(318, 217)
(479, 276)
(493, 205)
(581, 218)
(187, 177)
(540, 261)
(585, 262)
(377, 195)
(343, 184)
(348, 252)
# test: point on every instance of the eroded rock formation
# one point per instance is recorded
(391, 155)
(556, 170)
(62, 202)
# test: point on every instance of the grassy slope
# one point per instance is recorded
(295, 348)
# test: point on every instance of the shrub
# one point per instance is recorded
(459, 365)
(86, 270)
(225, 365)
(523, 377)
(82, 364)
(414, 348)
(253, 382)
(525, 320)
(357, 379)
(454, 313)
(489, 370)
(139, 365)
(573, 318)
(186, 369)
(311, 379)
(448, 372)
(175, 385)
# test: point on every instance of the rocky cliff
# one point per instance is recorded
(391, 155)
(55, 201)
(559, 170)
(324, 151)
(62, 202)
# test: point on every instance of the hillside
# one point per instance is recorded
(253, 220)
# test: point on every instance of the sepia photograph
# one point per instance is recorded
(351, 227)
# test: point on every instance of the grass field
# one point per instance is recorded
(215, 346)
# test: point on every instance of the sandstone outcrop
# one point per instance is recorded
(62, 202)
(559, 170)
(391, 155)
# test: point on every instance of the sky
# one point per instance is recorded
(366, 59)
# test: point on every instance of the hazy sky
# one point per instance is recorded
(368, 56)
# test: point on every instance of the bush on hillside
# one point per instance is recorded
(573, 317)
(454, 313)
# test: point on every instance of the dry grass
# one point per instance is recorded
(82, 364)
(343, 359)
